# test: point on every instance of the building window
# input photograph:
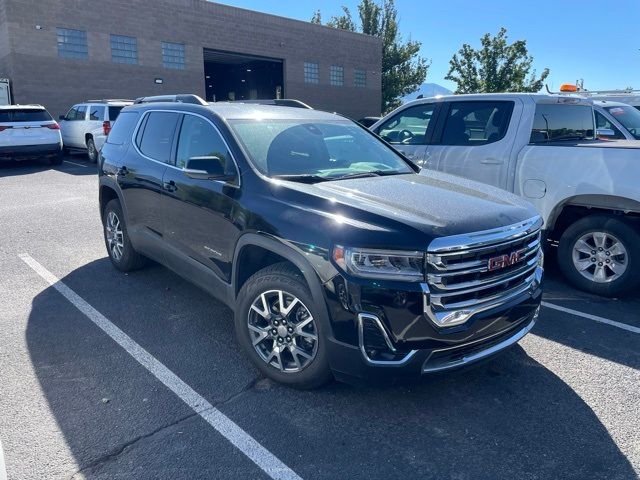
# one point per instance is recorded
(173, 55)
(311, 72)
(359, 78)
(336, 76)
(124, 49)
(72, 44)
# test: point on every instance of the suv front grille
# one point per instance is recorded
(471, 273)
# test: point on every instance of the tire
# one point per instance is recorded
(92, 153)
(57, 160)
(122, 254)
(292, 328)
(614, 268)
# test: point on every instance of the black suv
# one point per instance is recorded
(336, 257)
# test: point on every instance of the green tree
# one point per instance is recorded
(496, 67)
(403, 70)
(316, 17)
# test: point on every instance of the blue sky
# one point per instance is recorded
(573, 39)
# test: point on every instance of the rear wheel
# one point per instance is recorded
(601, 254)
(116, 237)
(92, 152)
(277, 325)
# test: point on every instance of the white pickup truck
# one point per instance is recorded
(546, 149)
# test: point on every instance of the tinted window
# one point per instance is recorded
(199, 140)
(408, 127)
(81, 112)
(476, 123)
(96, 112)
(603, 122)
(24, 115)
(114, 112)
(557, 123)
(157, 137)
(122, 130)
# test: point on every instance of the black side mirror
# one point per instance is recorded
(208, 167)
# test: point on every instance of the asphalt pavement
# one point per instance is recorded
(106, 375)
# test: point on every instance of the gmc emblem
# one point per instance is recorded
(503, 261)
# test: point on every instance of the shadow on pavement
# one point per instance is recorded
(510, 418)
(26, 167)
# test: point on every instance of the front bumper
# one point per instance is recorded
(417, 346)
(24, 152)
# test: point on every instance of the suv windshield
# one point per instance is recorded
(629, 117)
(24, 115)
(316, 150)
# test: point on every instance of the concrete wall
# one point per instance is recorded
(40, 76)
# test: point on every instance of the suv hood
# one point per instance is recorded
(437, 204)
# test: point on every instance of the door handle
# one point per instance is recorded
(169, 186)
(491, 161)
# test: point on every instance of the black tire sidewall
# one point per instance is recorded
(93, 159)
(313, 375)
(616, 227)
(130, 258)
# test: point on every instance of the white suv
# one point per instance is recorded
(86, 125)
(28, 131)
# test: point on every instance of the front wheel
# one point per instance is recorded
(277, 324)
(601, 254)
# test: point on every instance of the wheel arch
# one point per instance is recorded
(109, 191)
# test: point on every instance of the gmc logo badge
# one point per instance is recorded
(503, 261)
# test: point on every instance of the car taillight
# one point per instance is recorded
(106, 127)
(52, 126)
(4, 127)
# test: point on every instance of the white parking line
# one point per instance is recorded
(264, 459)
(74, 163)
(595, 318)
(3, 470)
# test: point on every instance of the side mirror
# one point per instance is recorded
(605, 132)
(208, 167)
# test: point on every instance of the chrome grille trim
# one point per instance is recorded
(460, 282)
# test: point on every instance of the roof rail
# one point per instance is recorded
(282, 102)
(107, 100)
(177, 98)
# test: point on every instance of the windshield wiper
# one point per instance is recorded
(302, 178)
(373, 173)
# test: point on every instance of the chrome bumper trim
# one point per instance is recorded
(379, 363)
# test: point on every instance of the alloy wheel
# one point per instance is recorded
(115, 236)
(282, 331)
(600, 257)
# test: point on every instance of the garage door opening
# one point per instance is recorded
(233, 76)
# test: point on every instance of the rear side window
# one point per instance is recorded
(122, 130)
(114, 112)
(157, 138)
(476, 123)
(562, 123)
(24, 115)
(96, 112)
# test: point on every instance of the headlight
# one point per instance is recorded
(382, 264)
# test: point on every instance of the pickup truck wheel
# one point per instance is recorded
(121, 252)
(276, 325)
(92, 152)
(601, 254)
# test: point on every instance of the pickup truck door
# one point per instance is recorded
(474, 139)
(410, 130)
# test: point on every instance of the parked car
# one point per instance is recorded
(543, 148)
(623, 120)
(28, 132)
(86, 125)
(334, 254)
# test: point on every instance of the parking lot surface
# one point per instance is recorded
(108, 375)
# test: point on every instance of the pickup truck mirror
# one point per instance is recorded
(605, 132)
(206, 167)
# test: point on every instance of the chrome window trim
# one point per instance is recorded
(485, 238)
(389, 363)
(182, 112)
